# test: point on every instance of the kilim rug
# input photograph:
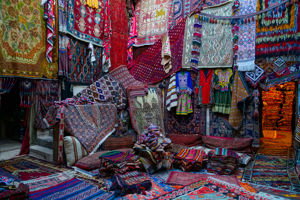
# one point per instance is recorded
(151, 20)
(90, 124)
(85, 23)
(24, 168)
(145, 109)
(274, 168)
(71, 189)
(214, 189)
(23, 40)
(277, 31)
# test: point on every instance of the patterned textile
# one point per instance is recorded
(297, 134)
(219, 126)
(191, 124)
(277, 31)
(47, 92)
(23, 41)
(71, 189)
(26, 91)
(246, 41)
(256, 76)
(119, 37)
(63, 58)
(82, 69)
(216, 39)
(276, 171)
(25, 168)
(147, 66)
(48, 181)
(187, 47)
(222, 82)
(21, 192)
(214, 189)
(152, 20)
(85, 23)
(182, 8)
(130, 182)
(189, 159)
(171, 97)
(166, 54)
(49, 15)
(74, 151)
(90, 124)
(122, 74)
(204, 87)
(145, 109)
(184, 88)
(106, 89)
(238, 94)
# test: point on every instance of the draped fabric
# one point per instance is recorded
(23, 41)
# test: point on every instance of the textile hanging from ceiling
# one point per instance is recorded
(124, 77)
(277, 31)
(152, 18)
(187, 45)
(90, 124)
(238, 94)
(182, 8)
(145, 109)
(106, 89)
(246, 41)
(85, 23)
(216, 48)
(63, 57)
(81, 68)
(147, 67)
(119, 38)
(23, 41)
(193, 123)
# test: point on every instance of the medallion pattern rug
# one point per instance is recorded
(275, 169)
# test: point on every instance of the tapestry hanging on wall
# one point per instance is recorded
(145, 109)
(246, 41)
(81, 68)
(85, 23)
(277, 31)
(23, 41)
(152, 20)
(216, 49)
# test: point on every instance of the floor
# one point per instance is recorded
(9, 149)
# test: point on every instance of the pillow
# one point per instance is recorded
(112, 143)
(236, 144)
(92, 161)
(186, 139)
(73, 149)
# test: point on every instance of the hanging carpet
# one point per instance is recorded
(23, 41)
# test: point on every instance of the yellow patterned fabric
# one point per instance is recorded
(238, 94)
(23, 40)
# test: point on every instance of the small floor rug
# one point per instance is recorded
(71, 189)
(276, 170)
(187, 178)
(25, 168)
(213, 189)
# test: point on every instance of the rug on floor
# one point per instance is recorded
(214, 189)
(71, 189)
(275, 170)
(25, 168)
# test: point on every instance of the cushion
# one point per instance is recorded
(73, 149)
(236, 144)
(186, 139)
(112, 143)
(92, 161)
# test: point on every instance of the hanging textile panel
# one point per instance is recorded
(193, 123)
(147, 66)
(187, 42)
(152, 18)
(23, 41)
(90, 124)
(277, 31)
(246, 41)
(182, 8)
(119, 38)
(81, 69)
(85, 23)
(216, 49)
(145, 109)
